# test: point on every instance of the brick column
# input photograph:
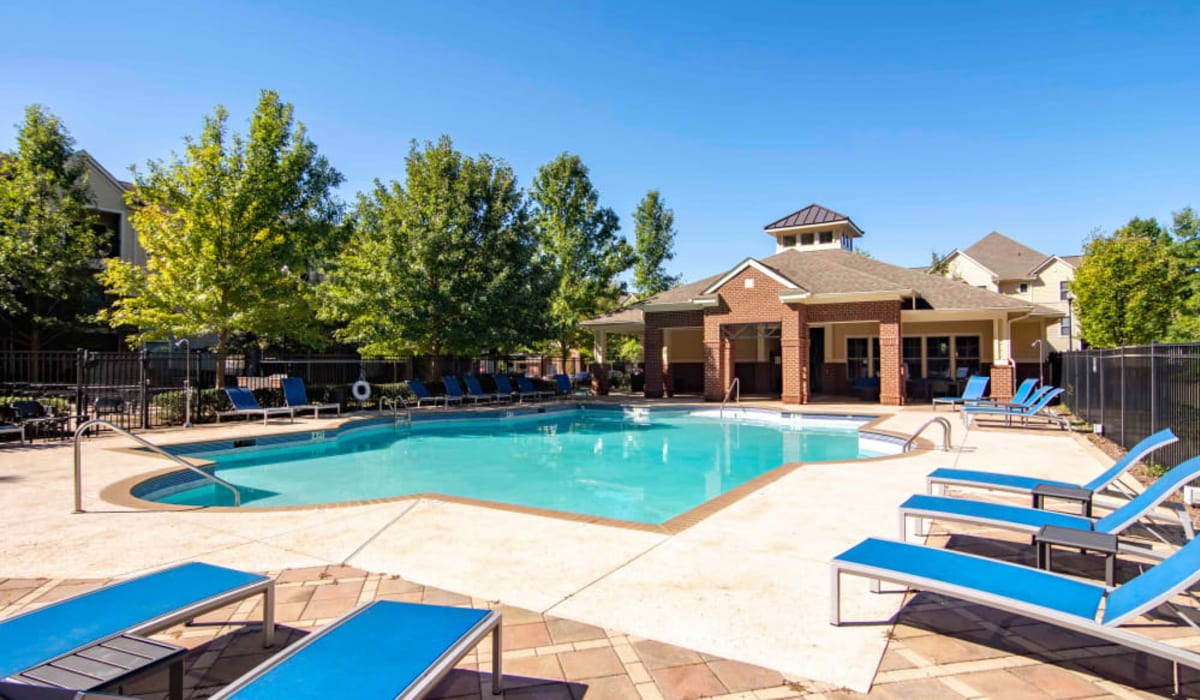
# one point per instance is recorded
(794, 342)
(891, 367)
(718, 360)
(1001, 382)
(652, 343)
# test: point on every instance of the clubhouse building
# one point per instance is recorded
(816, 318)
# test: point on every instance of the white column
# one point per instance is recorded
(600, 346)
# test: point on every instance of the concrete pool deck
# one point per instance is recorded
(747, 584)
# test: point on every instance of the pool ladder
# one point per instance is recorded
(237, 497)
(734, 385)
(396, 404)
(912, 439)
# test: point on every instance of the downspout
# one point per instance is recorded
(1012, 359)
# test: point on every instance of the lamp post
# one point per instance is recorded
(1041, 362)
(187, 382)
(1070, 322)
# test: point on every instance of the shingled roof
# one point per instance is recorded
(836, 271)
(811, 215)
(1007, 258)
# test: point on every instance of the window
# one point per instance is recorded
(1022, 288)
(966, 354)
(1064, 326)
(862, 357)
(806, 239)
(107, 226)
(788, 241)
(1064, 290)
(937, 357)
(911, 353)
(826, 237)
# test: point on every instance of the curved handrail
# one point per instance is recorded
(735, 384)
(237, 497)
(945, 434)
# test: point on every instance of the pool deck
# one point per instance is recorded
(736, 604)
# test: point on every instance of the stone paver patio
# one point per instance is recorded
(937, 648)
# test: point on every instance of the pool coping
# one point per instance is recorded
(120, 493)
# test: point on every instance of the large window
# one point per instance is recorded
(937, 357)
(913, 362)
(862, 357)
(966, 354)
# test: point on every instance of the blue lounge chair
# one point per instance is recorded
(996, 481)
(1035, 409)
(40, 646)
(454, 390)
(506, 389)
(562, 385)
(1021, 398)
(526, 388)
(476, 389)
(1041, 595)
(381, 650)
(296, 396)
(422, 394)
(972, 392)
(1031, 520)
(244, 404)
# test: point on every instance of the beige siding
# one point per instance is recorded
(971, 272)
(1046, 293)
(110, 196)
(1023, 335)
(684, 344)
(841, 331)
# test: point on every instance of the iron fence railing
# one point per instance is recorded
(145, 389)
(1135, 391)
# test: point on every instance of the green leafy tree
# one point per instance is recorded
(1127, 286)
(48, 246)
(441, 265)
(654, 233)
(232, 228)
(578, 247)
(939, 264)
(1185, 231)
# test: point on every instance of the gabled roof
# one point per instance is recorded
(836, 272)
(812, 215)
(1006, 258)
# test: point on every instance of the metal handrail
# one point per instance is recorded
(735, 384)
(237, 497)
(945, 434)
(395, 403)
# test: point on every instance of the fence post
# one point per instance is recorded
(1100, 382)
(80, 367)
(144, 387)
(1123, 443)
(1153, 387)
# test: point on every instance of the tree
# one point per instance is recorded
(1185, 231)
(654, 233)
(48, 246)
(578, 246)
(1127, 286)
(939, 264)
(232, 230)
(442, 264)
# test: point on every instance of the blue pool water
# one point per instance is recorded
(647, 467)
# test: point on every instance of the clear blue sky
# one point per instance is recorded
(930, 124)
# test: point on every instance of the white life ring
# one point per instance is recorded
(361, 390)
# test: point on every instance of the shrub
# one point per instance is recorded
(206, 403)
(54, 403)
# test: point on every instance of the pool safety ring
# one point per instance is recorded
(361, 390)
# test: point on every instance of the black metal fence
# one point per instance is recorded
(1136, 391)
(145, 389)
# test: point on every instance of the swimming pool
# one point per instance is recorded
(633, 464)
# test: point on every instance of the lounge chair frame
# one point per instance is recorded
(445, 663)
(1106, 630)
(973, 391)
(316, 407)
(248, 412)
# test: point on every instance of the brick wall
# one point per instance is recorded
(652, 344)
(1001, 383)
(740, 304)
(887, 314)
